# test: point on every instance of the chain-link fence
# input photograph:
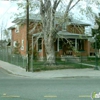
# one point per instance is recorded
(12, 58)
(66, 62)
(62, 62)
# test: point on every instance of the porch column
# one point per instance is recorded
(37, 45)
(58, 44)
(75, 44)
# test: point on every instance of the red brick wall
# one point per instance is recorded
(75, 29)
(87, 47)
(21, 35)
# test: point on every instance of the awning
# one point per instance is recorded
(65, 34)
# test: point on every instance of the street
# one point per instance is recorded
(14, 87)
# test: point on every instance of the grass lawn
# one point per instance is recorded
(38, 66)
(41, 65)
(92, 60)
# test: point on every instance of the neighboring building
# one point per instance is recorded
(73, 36)
(5, 48)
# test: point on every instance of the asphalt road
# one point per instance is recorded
(21, 88)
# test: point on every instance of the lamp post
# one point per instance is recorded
(96, 57)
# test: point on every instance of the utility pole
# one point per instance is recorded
(27, 23)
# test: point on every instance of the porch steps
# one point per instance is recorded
(72, 58)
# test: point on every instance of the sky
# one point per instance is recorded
(7, 8)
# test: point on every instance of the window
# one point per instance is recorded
(60, 44)
(72, 41)
(39, 44)
(55, 45)
(14, 43)
(80, 44)
(22, 47)
(16, 29)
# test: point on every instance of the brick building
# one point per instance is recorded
(68, 40)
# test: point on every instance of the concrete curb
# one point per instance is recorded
(66, 73)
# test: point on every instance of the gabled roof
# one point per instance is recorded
(37, 17)
(33, 17)
(78, 22)
(11, 27)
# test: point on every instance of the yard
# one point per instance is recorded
(37, 65)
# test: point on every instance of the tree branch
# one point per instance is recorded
(74, 5)
(47, 5)
(42, 7)
(67, 10)
(68, 7)
(56, 3)
(33, 29)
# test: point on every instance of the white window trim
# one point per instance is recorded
(14, 43)
(22, 47)
(17, 29)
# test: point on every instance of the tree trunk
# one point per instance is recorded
(48, 33)
(50, 52)
(49, 37)
(47, 11)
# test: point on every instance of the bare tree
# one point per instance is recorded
(47, 12)
(48, 9)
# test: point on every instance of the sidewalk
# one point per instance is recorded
(16, 70)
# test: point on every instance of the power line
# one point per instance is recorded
(6, 11)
